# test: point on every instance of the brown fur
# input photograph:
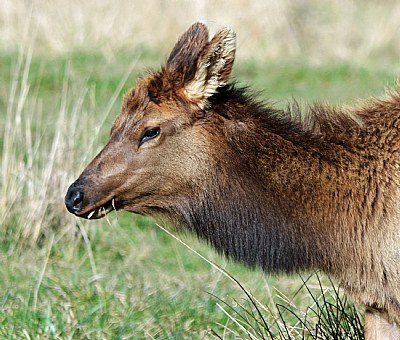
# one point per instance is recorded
(284, 191)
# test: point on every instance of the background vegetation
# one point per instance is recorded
(64, 66)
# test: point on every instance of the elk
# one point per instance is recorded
(285, 191)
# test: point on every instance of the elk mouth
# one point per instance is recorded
(100, 211)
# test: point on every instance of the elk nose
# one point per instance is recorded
(73, 199)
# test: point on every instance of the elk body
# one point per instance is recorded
(284, 191)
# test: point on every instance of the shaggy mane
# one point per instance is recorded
(316, 121)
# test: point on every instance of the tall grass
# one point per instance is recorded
(34, 162)
(40, 154)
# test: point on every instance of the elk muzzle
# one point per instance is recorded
(85, 200)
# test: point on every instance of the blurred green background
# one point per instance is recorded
(64, 67)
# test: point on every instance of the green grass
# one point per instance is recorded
(62, 277)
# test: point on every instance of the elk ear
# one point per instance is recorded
(213, 67)
(183, 58)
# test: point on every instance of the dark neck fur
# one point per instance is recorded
(247, 225)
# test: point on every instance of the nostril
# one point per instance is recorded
(73, 200)
(77, 199)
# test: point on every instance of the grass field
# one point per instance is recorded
(124, 277)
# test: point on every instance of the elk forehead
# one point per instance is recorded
(140, 108)
(156, 89)
(136, 100)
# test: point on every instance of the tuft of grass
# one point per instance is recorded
(329, 316)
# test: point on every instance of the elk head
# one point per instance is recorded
(161, 145)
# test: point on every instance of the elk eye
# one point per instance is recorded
(149, 134)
